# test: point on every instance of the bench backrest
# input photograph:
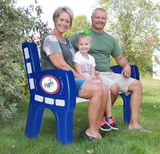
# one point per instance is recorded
(31, 57)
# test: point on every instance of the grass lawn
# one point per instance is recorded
(122, 141)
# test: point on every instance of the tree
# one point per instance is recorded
(79, 23)
(133, 24)
(15, 27)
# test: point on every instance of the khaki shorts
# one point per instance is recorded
(110, 78)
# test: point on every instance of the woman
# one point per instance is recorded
(57, 53)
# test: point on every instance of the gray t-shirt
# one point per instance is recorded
(51, 45)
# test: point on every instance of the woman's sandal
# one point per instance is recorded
(89, 138)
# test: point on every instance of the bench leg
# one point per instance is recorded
(126, 108)
(33, 121)
(64, 127)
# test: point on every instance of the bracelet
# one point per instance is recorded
(93, 79)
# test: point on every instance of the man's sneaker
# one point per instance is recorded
(104, 126)
(112, 123)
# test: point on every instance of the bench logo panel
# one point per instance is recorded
(49, 84)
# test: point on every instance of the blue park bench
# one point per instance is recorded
(55, 90)
(52, 89)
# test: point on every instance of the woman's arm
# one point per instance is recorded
(58, 61)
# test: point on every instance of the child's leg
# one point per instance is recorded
(109, 105)
(107, 123)
(104, 125)
(109, 118)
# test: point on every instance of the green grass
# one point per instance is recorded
(123, 141)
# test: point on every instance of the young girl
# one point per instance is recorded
(84, 64)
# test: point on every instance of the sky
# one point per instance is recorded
(82, 7)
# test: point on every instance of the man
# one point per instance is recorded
(104, 45)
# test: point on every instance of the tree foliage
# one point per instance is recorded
(133, 24)
(79, 23)
(17, 25)
(13, 27)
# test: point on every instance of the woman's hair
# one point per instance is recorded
(62, 9)
(83, 36)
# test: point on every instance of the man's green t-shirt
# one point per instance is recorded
(103, 45)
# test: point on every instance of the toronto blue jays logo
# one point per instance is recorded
(49, 84)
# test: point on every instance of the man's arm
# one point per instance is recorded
(126, 72)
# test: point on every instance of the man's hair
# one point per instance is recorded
(62, 9)
(100, 9)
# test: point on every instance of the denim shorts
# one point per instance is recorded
(79, 84)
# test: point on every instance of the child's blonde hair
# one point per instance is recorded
(83, 34)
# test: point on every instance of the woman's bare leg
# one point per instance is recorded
(98, 96)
